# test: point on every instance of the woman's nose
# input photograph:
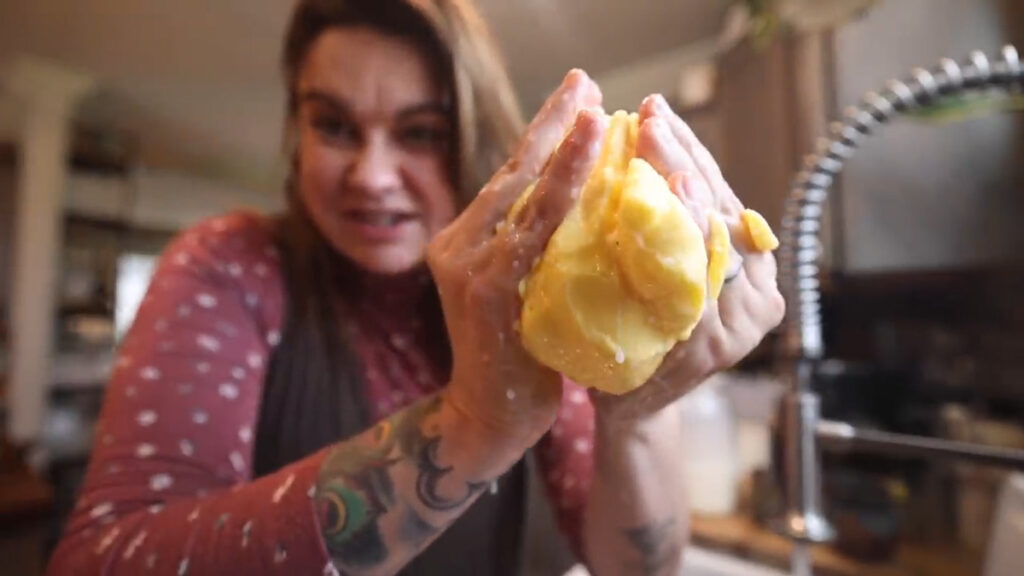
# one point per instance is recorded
(375, 168)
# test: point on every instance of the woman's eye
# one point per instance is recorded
(335, 129)
(423, 137)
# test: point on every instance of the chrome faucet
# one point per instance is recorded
(799, 425)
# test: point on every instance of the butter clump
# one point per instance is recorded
(627, 273)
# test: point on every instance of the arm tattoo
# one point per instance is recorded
(656, 545)
(355, 488)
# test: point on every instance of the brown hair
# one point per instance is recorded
(314, 393)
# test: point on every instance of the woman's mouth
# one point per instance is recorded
(380, 225)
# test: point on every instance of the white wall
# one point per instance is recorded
(922, 196)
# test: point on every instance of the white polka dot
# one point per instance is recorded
(219, 225)
(200, 417)
(183, 567)
(145, 450)
(246, 529)
(150, 373)
(283, 488)
(146, 418)
(156, 508)
(207, 342)
(311, 491)
(255, 360)
(273, 337)
(228, 390)
(237, 461)
(161, 325)
(556, 431)
(151, 561)
(227, 329)
(399, 341)
(166, 346)
(130, 391)
(159, 482)
(193, 515)
(186, 448)
(123, 362)
(101, 510)
(134, 545)
(107, 540)
(260, 269)
(185, 389)
(581, 445)
(235, 269)
(245, 434)
(184, 311)
(203, 367)
(182, 258)
(252, 300)
(238, 373)
(510, 394)
(206, 300)
(577, 396)
(280, 554)
(113, 469)
(330, 570)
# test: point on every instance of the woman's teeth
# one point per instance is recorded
(378, 218)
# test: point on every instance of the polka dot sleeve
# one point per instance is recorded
(169, 489)
(566, 458)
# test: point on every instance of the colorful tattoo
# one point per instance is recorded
(355, 488)
(656, 545)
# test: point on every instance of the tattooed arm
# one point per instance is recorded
(636, 515)
(384, 495)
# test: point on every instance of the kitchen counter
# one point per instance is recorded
(742, 537)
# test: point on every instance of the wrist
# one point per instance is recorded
(485, 450)
(614, 425)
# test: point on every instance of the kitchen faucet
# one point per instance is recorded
(799, 425)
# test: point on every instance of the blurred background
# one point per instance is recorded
(121, 122)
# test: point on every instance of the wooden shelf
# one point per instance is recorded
(742, 537)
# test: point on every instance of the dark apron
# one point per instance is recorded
(486, 540)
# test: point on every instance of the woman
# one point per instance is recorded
(294, 397)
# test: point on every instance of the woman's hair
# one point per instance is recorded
(314, 393)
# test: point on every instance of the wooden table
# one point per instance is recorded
(742, 537)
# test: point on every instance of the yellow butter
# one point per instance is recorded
(625, 276)
(760, 233)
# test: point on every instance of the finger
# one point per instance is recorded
(682, 185)
(556, 191)
(657, 106)
(762, 270)
(542, 136)
(658, 146)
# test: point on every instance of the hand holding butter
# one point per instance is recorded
(628, 274)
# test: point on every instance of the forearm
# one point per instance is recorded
(636, 519)
(384, 495)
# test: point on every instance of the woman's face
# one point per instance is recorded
(374, 144)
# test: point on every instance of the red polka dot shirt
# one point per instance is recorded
(169, 489)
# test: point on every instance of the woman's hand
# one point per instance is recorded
(750, 304)
(478, 263)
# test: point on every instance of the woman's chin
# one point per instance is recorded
(387, 260)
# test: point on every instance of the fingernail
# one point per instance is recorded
(661, 103)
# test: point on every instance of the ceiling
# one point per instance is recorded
(198, 81)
